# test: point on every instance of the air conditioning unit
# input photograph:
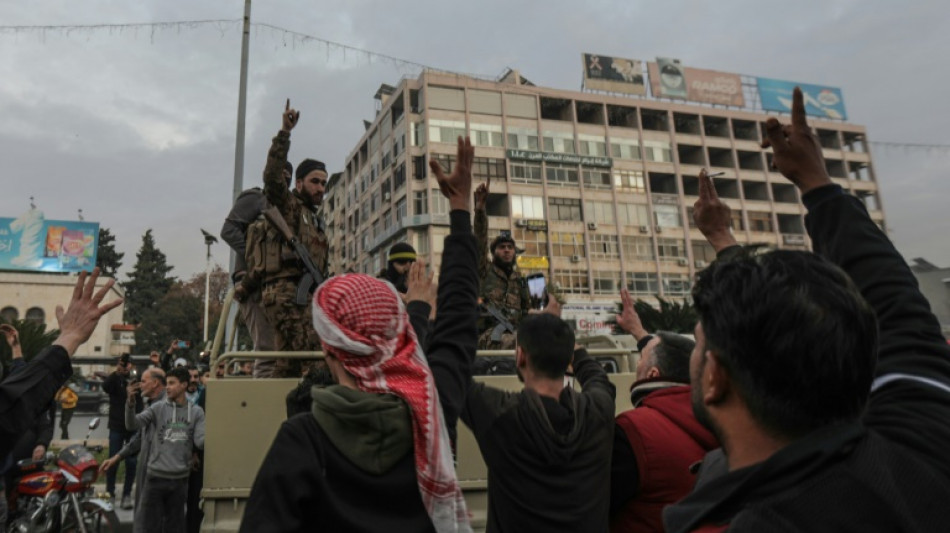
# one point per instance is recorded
(658, 229)
(701, 264)
(592, 226)
(682, 261)
(386, 196)
(575, 259)
(644, 229)
(521, 222)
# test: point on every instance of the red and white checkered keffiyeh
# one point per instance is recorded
(363, 323)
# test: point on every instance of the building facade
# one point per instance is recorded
(34, 296)
(596, 188)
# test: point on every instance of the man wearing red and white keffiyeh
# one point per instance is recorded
(364, 328)
(374, 454)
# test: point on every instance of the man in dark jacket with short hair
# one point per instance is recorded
(115, 386)
(824, 428)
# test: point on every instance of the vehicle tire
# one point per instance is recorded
(104, 409)
(95, 518)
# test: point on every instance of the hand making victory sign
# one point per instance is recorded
(457, 187)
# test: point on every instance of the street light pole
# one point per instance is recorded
(209, 240)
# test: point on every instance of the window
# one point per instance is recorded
(760, 221)
(657, 151)
(671, 249)
(703, 251)
(399, 145)
(633, 215)
(596, 178)
(625, 149)
(600, 212)
(446, 131)
(606, 282)
(420, 202)
(364, 211)
(523, 206)
(9, 314)
(604, 246)
(400, 210)
(422, 242)
(440, 204)
(487, 102)
(558, 141)
(565, 209)
(676, 285)
(399, 176)
(534, 243)
(446, 161)
(418, 134)
(642, 283)
(667, 216)
(567, 244)
(572, 281)
(592, 145)
(484, 168)
(521, 105)
(629, 181)
(445, 98)
(561, 174)
(525, 173)
(387, 159)
(637, 248)
(387, 220)
(485, 134)
(523, 139)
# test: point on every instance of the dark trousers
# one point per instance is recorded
(164, 505)
(195, 482)
(65, 417)
(117, 439)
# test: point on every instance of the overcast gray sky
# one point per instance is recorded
(136, 126)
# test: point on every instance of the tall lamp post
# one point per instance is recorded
(209, 240)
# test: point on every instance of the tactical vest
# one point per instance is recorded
(508, 294)
(269, 257)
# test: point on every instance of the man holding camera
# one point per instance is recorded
(115, 386)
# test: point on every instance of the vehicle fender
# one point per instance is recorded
(100, 503)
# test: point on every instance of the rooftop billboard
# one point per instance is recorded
(614, 74)
(670, 79)
(29, 242)
(820, 101)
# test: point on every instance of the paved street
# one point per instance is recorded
(80, 424)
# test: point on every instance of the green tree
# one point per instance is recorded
(107, 258)
(148, 282)
(673, 316)
(33, 338)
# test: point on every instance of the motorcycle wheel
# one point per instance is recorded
(95, 518)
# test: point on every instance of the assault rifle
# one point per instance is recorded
(503, 323)
(312, 278)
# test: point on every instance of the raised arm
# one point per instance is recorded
(481, 228)
(275, 188)
(910, 399)
(454, 338)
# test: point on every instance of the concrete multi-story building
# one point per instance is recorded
(596, 188)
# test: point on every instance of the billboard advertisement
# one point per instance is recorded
(31, 242)
(670, 79)
(613, 74)
(820, 101)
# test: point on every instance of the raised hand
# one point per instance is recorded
(290, 118)
(10, 334)
(418, 283)
(481, 195)
(78, 321)
(713, 217)
(796, 150)
(628, 319)
(458, 186)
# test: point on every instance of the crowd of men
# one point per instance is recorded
(813, 396)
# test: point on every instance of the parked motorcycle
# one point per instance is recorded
(61, 500)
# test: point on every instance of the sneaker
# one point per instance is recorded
(126, 502)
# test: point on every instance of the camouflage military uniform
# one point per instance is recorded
(508, 292)
(292, 323)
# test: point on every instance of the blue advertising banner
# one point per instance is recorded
(824, 102)
(30, 242)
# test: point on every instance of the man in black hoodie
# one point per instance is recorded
(547, 447)
(824, 428)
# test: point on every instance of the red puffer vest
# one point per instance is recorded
(666, 439)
